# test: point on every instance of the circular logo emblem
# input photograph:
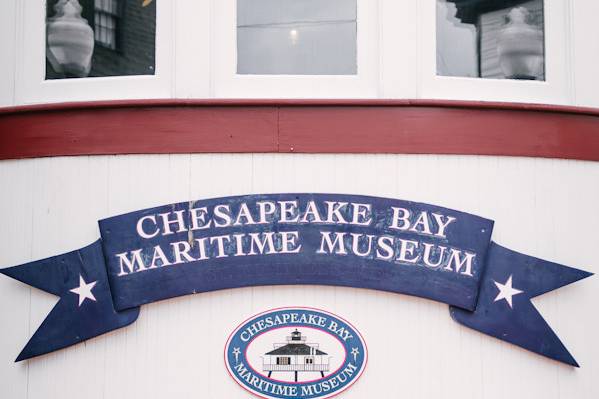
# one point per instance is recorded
(295, 353)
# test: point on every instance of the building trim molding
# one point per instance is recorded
(299, 126)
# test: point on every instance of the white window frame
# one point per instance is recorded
(399, 48)
(556, 89)
(31, 86)
(228, 84)
(8, 23)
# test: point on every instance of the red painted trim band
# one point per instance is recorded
(301, 126)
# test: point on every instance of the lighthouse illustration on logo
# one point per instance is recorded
(296, 356)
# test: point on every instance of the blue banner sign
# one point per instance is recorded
(275, 239)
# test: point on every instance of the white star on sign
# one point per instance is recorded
(506, 291)
(84, 290)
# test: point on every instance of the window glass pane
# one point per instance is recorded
(107, 38)
(499, 39)
(297, 37)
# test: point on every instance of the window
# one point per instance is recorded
(494, 50)
(297, 37)
(94, 38)
(491, 39)
(284, 361)
(294, 48)
(309, 360)
(106, 22)
(255, 49)
(59, 64)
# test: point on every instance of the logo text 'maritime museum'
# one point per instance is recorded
(295, 353)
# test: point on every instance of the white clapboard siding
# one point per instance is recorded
(546, 208)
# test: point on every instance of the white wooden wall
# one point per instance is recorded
(546, 208)
(396, 59)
